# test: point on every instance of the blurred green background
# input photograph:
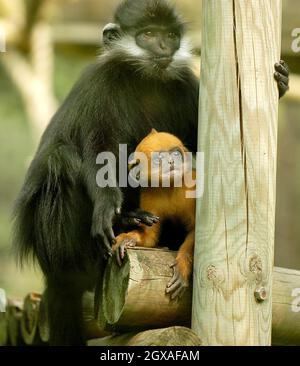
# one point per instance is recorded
(49, 42)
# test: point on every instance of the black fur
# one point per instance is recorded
(133, 15)
(62, 218)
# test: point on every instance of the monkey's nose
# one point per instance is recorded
(172, 165)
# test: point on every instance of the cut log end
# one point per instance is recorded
(134, 296)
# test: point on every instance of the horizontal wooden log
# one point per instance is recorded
(91, 326)
(29, 320)
(3, 330)
(286, 307)
(14, 316)
(133, 297)
(173, 336)
(3, 319)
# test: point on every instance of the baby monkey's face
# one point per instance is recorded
(165, 168)
(167, 164)
(161, 160)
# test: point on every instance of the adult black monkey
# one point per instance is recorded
(62, 218)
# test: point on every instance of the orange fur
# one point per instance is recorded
(167, 203)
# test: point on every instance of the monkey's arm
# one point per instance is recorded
(182, 267)
(106, 200)
(282, 77)
(144, 236)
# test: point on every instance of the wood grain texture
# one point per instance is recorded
(238, 134)
(14, 316)
(29, 320)
(173, 336)
(92, 329)
(133, 297)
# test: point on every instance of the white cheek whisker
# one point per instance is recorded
(185, 51)
(129, 52)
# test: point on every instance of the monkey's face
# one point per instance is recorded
(153, 51)
(148, 35)
(161, 160)
(169, 166)
(159, 45)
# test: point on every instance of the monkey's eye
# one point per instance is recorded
(156, 158)
(176, 153)
(149, 34)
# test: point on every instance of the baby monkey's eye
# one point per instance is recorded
(176, 153)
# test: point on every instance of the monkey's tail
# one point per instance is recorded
(44, 221)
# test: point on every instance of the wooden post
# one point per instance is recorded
(232, 300)
(139, 302)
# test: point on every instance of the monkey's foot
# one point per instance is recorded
(178, 284)
(123, 243)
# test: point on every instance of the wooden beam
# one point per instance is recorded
(234, 251)
(92, 329)
(14, 316)
(139, 301)
(286, 307)
(29, 319)
(294, 92)
(173, 336)
(133, 297)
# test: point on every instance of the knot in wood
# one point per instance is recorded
(255, 264)
(260, 294)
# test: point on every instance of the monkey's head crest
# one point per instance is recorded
(136, 14)
(127, 44)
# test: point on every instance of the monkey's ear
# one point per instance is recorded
(153, 131)
(110, 33)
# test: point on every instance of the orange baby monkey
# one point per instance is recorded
(166, 159)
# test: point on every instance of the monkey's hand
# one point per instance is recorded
(138, 217)
(123, 242)
(180, 280)
(105, 210)
(282, 77)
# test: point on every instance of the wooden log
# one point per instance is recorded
(92, 328)
(139, 301)
(3, 319)
(14, 316)
(294, 92)
(91, 325)
(3, 329)
(133, 297)
(43, 327)
(173, 336)
(234, 249)
(286, 307)
(29, 320)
